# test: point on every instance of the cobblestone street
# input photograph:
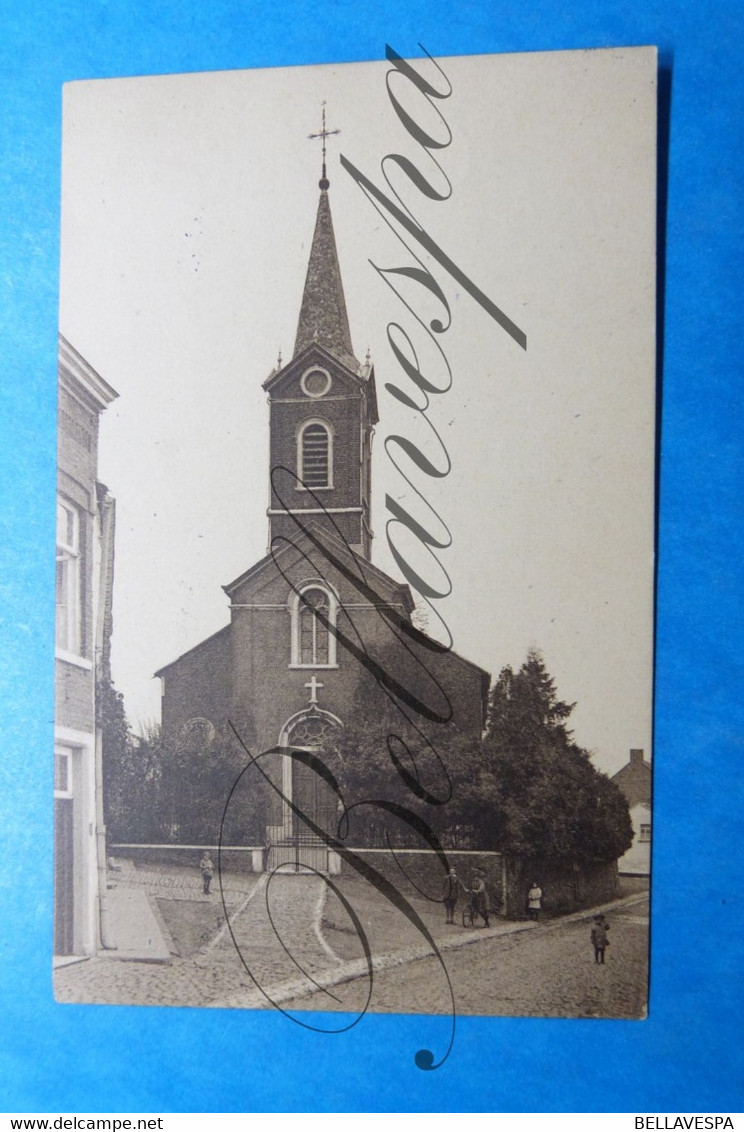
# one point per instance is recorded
(545, 970)
(297, 941)
(260, 914)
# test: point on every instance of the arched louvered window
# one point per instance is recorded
(315, 455)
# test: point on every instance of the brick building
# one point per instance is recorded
(309, 622)
(85, 544)
(634, 779)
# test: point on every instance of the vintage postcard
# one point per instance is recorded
(355, 538)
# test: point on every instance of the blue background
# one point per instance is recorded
(688, 1054)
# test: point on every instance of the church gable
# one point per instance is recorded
(314, 374)
(197, 684)
(317, 555)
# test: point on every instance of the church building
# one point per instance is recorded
(315, 628)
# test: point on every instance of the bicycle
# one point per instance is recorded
(471, 915)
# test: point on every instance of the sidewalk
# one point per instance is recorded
(134, 929)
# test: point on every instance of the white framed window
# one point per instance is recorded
(63, 772)
(313, 610)
(69, 578)
(644, 833)
(315, 456)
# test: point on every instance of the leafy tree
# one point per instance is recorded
(371, 759)
(173, 788)
(525, 789)
(390, 753)
(126, 781)
(195, 775)
(524, 709)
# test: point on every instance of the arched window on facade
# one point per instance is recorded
(312, 730)
(315, 455)
(313, 612)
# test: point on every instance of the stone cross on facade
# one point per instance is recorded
(313, 684)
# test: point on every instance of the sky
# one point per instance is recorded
(187, 214)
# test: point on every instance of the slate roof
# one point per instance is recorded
(323, 317)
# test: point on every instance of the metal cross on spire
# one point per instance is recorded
(324, 133)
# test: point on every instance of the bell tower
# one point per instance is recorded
(323, 407)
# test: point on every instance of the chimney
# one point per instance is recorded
(636, 755)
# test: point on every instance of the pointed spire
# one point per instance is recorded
(323, 317)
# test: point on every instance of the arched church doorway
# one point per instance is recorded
(295, 845)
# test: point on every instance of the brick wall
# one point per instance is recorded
(507, 879)
(77, 454)
(344, 409)
(77, 444)
(74, 696)
(565, 888)
(197, 685)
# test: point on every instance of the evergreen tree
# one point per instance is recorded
(546, 797)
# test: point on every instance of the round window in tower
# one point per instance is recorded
(315, 382)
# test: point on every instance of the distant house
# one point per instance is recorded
(634, 779)
(85, 539)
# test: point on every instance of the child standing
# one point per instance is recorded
(534, 901)
(207, 872)
(599, 938)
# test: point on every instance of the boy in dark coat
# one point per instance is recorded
(599, 938)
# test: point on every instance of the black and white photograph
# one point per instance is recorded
(355, 538)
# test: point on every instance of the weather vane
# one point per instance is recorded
(324, 133)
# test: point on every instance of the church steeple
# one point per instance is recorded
(323, 317)
(323, 408)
